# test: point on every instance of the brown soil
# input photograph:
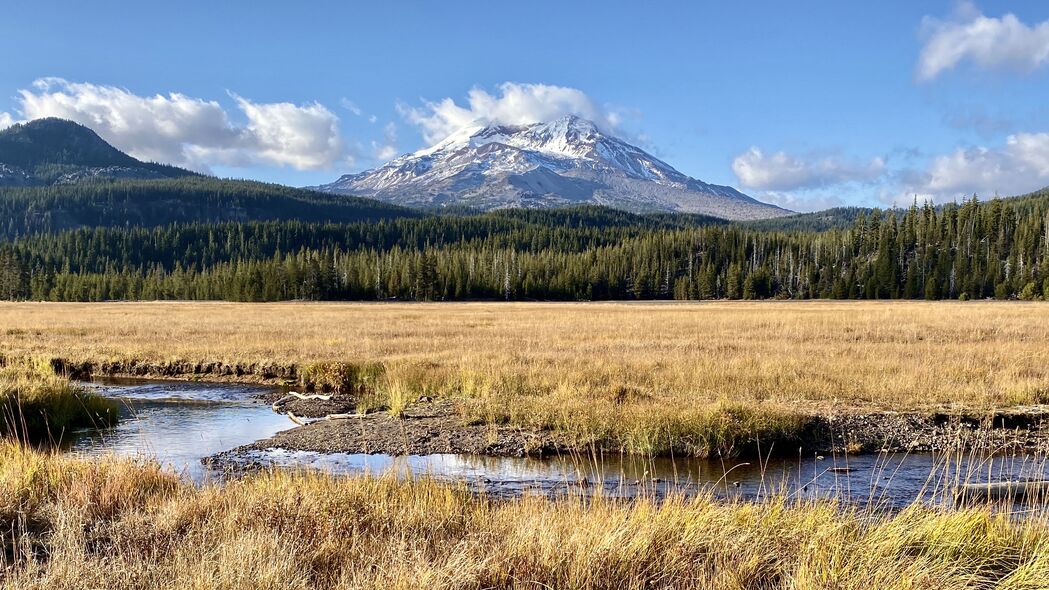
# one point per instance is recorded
(1017, 429)
(438, 427)
(312, 408)
(424, 429)
(274, 373)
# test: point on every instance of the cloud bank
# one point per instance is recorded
(514, 104)
(1020, 165)
(781, 171)
(989, 43)
(191, 132)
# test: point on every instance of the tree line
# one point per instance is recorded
(27, 211)
(974, 250)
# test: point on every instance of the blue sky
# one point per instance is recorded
(807, 105)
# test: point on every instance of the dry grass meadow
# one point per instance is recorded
(632, 370)
(118, 524)
(641, 375)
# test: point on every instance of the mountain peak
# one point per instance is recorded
(570, 122)
(55, 126)
(58, 151)
(57, 141)
(565, 161)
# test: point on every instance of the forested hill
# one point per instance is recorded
(80, 220)
(57, 175)
(55, 151)
(120, 203)
(836, 218)
(993, 249)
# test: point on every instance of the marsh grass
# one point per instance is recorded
(36, 405)
(113, 523)
(695, 379)
(402, 386)
(689, 379)
(341, 377)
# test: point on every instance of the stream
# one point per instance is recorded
(180, 423)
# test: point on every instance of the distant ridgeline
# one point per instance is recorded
(121, 203)
(57, 175)
(371, 251)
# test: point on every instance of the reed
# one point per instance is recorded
(655, 377)
(36, 405)
(110, 523)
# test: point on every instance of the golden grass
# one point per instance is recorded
(643, 376)
(38, 406)
(70, 523)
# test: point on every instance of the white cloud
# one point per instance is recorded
(989, 43)
(1019, 166)
(781, 171)
(351, 106)
(190, 131)
(6, 120)
(387, 148)
(516, 104)
(801, 202)
(305, 137)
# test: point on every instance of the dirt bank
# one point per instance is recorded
(438, 427)
(1017, 429)
(428, 428)
(424, 429)
(273, 373)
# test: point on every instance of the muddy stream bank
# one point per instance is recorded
(211, 431)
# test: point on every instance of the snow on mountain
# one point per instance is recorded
(562, 162)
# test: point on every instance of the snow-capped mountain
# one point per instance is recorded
(567, 161)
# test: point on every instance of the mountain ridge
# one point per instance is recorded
(57, 175)
(53, 151)
(567, 161)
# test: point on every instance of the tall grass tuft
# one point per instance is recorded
(38, 406)
(341, 377)
(116, 523)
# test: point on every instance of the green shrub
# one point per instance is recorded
(1029, 292)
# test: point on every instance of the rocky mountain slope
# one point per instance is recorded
(568, 161)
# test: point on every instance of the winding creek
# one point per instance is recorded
(181, 423)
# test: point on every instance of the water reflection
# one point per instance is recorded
(180, 423)
(894, 480)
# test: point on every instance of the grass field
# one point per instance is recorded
(628, 373)
(638, 374)
(117, 524)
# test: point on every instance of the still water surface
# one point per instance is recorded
(180, 423)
